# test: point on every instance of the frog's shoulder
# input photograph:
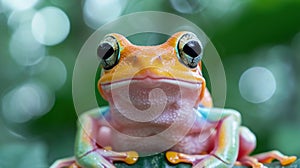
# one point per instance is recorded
(103, 110)
(203, 111)
(206, 100)
(97, 112)
(217, 114)
(209, 114)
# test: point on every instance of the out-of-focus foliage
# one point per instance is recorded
(259, 43)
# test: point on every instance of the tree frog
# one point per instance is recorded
(214, 138)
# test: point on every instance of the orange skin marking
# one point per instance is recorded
(161, 62)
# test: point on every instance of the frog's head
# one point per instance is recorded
(172, 66)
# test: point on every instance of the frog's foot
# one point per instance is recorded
(258, 160)
(198, 161)
(67, 162)
(249, 161)
(268, 157)
(175, 158)
(105, 157)
(129, 157)
(74, 165)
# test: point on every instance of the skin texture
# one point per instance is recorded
(215, 139)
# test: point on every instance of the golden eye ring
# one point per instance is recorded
(189, 50)
(108, 52)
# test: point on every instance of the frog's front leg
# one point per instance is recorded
(88, 152)
(226, 143)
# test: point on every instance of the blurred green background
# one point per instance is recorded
(258, 41)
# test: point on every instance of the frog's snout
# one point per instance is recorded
(152, 72)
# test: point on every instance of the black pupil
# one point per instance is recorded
(192, 48)
(105, 50)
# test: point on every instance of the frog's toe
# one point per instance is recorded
(268, 157)
(176, 157)
(74, 165)
(173, 157)
(131, 157)
(258, 165)
(288, 160)
(66, 162)
(250, 161)
(212, 161)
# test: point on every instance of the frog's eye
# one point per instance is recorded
(108, 52)
(189, 50)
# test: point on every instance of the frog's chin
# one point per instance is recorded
(172, 112)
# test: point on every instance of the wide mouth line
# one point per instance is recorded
(173, 81)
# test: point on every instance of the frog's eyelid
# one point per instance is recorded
(122, 40)
(200, 36)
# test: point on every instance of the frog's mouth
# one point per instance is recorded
(137, 90)
(151, 81)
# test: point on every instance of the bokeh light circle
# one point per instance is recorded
(18, 18)
(24, 49)
(188, 7)
(257, 84)
(96, 12)
(19, 4)
(50, 26)
(52, 71)
(29, 100)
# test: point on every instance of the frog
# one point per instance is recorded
(214, 136)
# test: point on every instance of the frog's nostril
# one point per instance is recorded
(159, 58)
(143, 73)
(152, 72)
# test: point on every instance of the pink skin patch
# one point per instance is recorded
(146, 107)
